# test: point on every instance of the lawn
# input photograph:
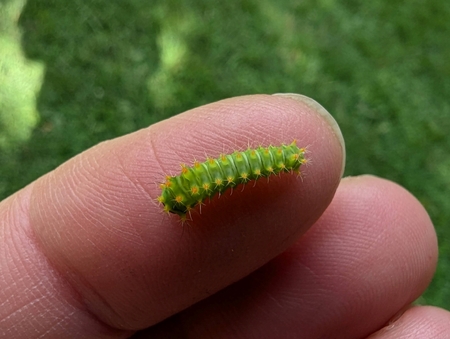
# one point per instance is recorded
(74, 73)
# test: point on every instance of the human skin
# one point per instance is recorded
(88, 253)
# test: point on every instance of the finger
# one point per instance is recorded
(425, 322)
(373, 252)
(117, 257)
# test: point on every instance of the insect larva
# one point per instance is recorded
(203, 180)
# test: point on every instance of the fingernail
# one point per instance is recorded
(322, 112)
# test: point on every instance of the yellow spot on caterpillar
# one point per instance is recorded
(167, 209)
(167, 183)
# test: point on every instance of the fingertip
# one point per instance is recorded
(417, 322)
(413, 228)
(321, 111)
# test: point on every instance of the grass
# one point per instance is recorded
(97, 69)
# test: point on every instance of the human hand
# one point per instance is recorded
(87, 253)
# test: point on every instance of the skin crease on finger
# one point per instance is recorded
(373, 252)
(99, 241)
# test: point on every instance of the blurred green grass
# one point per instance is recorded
(97, 69)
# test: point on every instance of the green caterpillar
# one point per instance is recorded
(203, 180)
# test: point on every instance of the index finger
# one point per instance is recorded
(112, 248)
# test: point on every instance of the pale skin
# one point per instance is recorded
(86, 252)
